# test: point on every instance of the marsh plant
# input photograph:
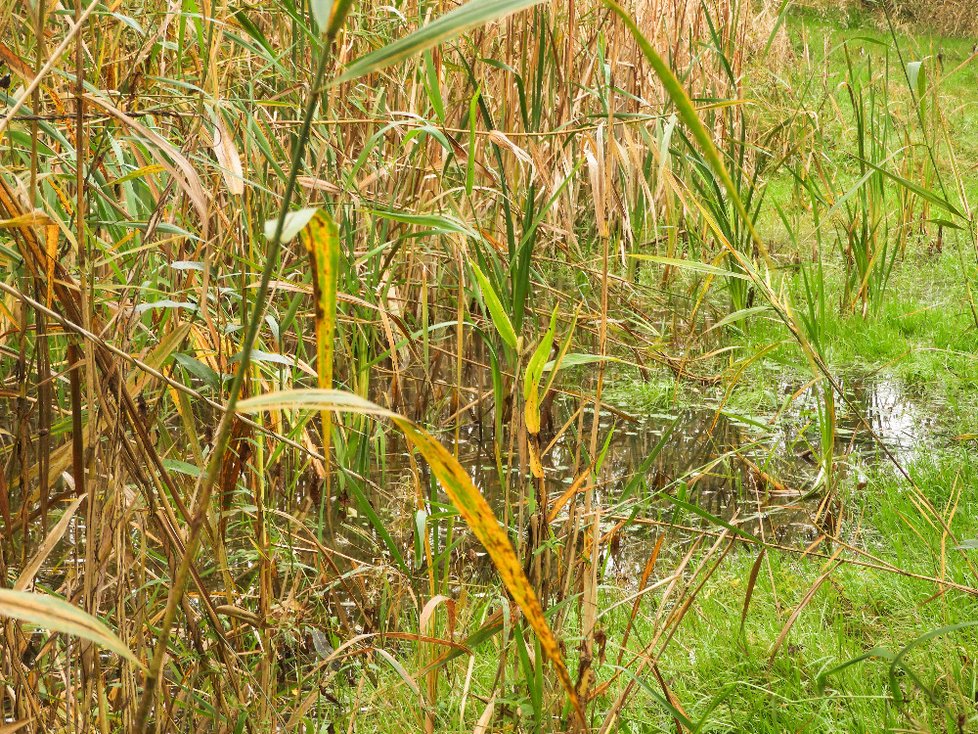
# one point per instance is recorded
(484, 366)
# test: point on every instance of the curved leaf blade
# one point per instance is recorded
(444, 28)
(464, 495)
(500, 318)
(57, 615)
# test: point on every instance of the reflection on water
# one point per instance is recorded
(896, 418)
(755, 472)
(877, 418)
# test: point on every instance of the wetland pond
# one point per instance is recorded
(757, 473)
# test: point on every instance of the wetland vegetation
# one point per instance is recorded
(490, 366)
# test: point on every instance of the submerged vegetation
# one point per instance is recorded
(491, 366)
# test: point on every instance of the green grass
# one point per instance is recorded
(854, 611)
(926, 335)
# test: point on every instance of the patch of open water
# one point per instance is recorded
(755, 472)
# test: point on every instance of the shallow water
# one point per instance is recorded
(756, 472)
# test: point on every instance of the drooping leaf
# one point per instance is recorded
(464, 495)
(439, 223)
(922, 192)
(575, 359)
(57, 615)
(917, 78)
(310, 399)
(321, 239)
(294, 223)
(269, 357)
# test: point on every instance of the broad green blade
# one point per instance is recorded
(500, 318)
(534, 373)
(471, 15)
